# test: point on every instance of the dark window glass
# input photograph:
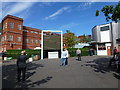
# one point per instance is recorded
(104, 28)
(101, 46)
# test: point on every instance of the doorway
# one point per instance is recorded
(108, 50)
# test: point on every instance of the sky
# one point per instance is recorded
(78, 17)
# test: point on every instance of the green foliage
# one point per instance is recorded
(97, 13)
(70, 39)
(52, 42)
(111, 12)
(15, 53)
(84, 51)
(84, 39)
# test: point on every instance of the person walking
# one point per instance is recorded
(21, 66)
(119, 62)
(115, 52)
(78, 52)
(63, 58)
(66, 63)
(4, 54)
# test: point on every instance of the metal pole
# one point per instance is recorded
(42, 45)
(61, 41)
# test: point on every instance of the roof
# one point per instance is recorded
(13, 17)
(29, 28)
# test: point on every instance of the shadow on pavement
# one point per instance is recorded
(102, 65)
(28, 84)
(9, 74)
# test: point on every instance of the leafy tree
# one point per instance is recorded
(111, 12)
(84, 39)
(69, 39)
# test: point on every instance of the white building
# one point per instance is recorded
(105, 37)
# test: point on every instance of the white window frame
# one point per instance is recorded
(19, 27)
(26, 40)
(10, 37)
(5, 38)
(5, 25)
(11, 23)
(31, 40)
(18, 38)
(36, 41)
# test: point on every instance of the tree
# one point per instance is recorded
(111, 12)
(69, 39)
(84, 39)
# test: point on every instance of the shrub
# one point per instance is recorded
(15, 53)
(72, 51)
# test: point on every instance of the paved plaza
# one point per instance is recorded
(91, 72)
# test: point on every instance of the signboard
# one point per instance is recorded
(52, 55)
(52, 42)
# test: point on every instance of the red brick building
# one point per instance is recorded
(16, 36)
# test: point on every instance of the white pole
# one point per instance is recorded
(61, 42)
(42, 40)
(42, 45)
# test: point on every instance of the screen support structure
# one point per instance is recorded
(42, 40)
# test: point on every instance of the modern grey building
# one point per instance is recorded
(0, 37)
(106, 36)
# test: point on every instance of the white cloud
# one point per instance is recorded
(42, 4)
(86, 5)
(68, 26)
(18, 8)
(58, 12)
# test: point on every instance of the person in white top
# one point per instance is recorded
(63, 58)
(78, 52)
(66, 63)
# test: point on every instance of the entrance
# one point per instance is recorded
(108, 50)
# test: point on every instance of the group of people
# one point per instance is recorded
(21, 62)
(65, 55)
(115, 59)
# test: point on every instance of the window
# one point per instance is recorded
(25, 30)
(104, 28)
(36, 41)
(101, 46)
(6, 25)
(19, 27)
(5, 37)
(18, 39)
(34, 32)
(3, 27)
(26, 40)
(11, 25)
(31, 40)
(10, 37)
(40, 41)
(2, 39)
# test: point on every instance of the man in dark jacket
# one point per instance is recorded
(21, 66)
(4, 54)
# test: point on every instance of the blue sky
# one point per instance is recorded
(78, 17)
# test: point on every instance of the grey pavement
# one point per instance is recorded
(91, 72)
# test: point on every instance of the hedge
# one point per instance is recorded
(72, 51)
(84, 51)
(15, 53)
